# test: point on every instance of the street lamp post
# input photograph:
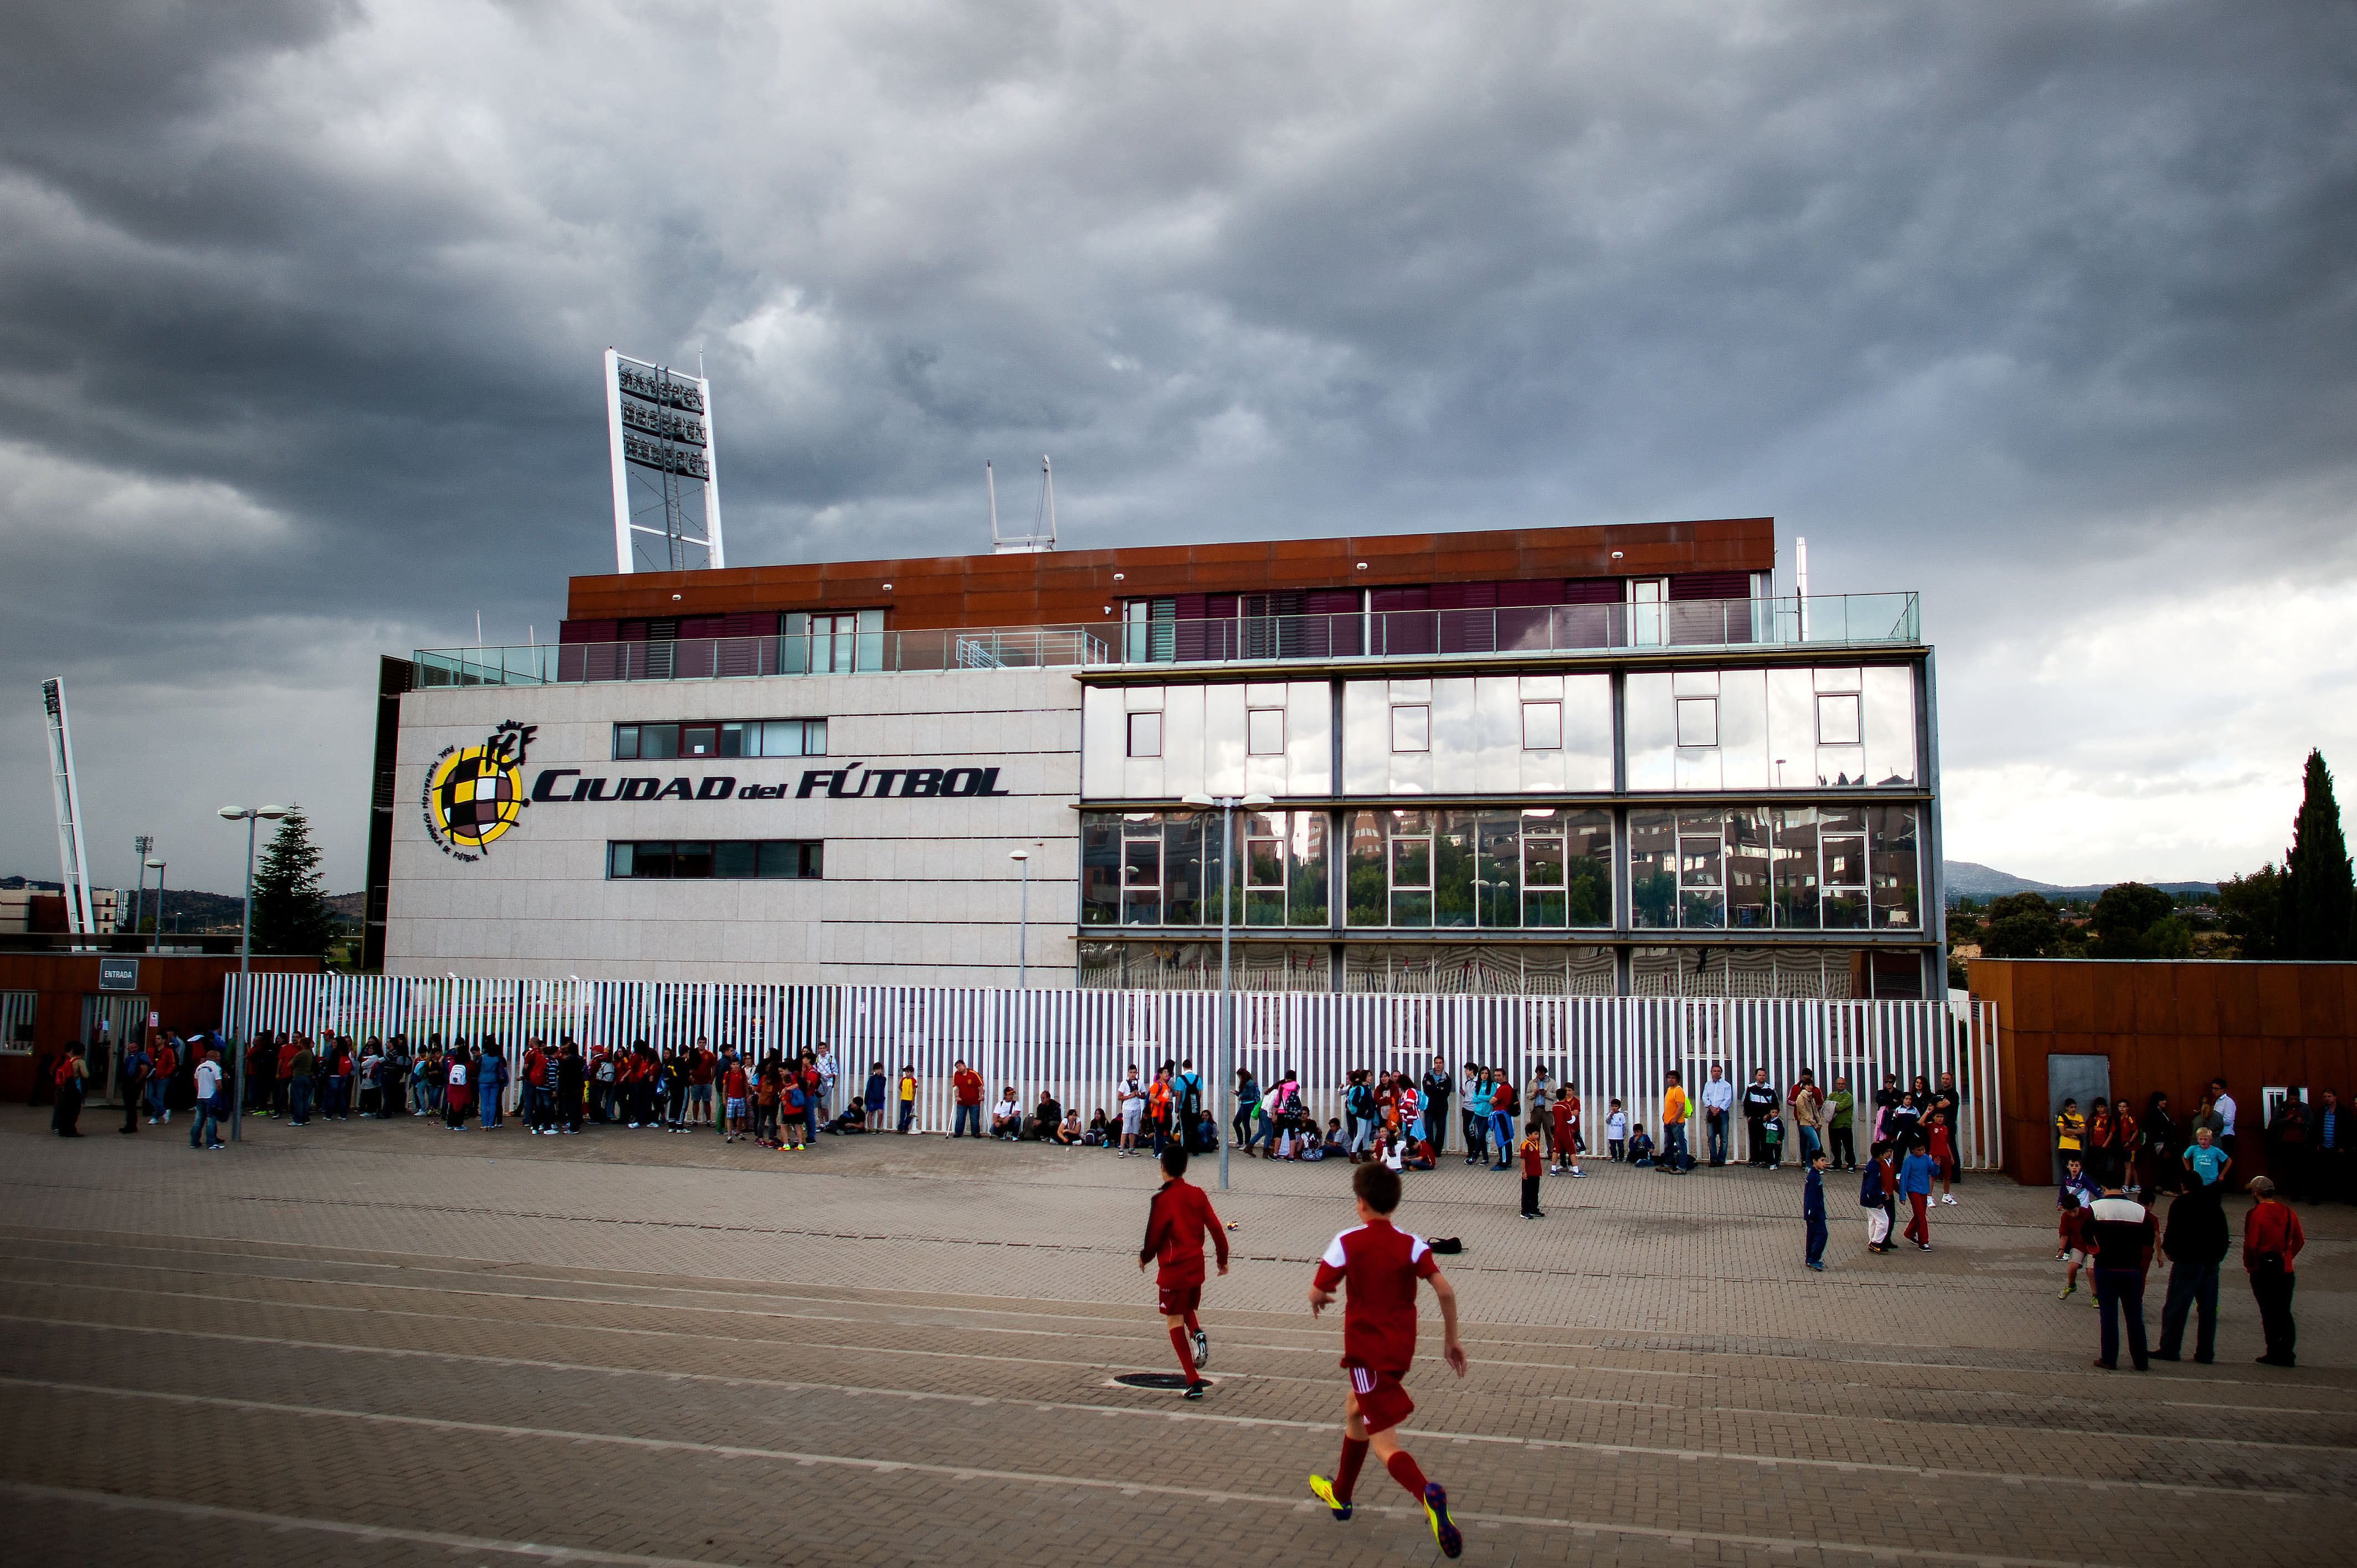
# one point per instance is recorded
(251, 816)
(1022, 919)
(157, 868)
(1226, 806)
(143, 846)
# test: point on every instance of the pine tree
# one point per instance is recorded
(2317, 894)
(290, 907)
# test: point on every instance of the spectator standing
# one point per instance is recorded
(131, 1077)
(2071, 1133)
(1616, 1132)
(1563, 1118)
(1759, 1101)
(2287, 1145)
(204, 1126)
(2158, 1165)
(2223, 1103)
(1438, 1087)
(1886, 1162)
(875, 1097)
(301, 1067)
(2196, 1241)
(66, 1079)
(2207, 1161)
(457, 1091)
(1531, 1158)
(1502, 1118)
(1948, 1099)
(571, 1076)
(1874, 1196)
(1915, 1181)
(965, 1088)
(908, 1087)
(1676, 1111)
(1813, 1210)
(1477, 1117)
(1807, 1101)
(2122, 1235)
(1840, 1141)
(490, 1078)
(2329, 1160)
(1717, 1105)
(161, 1066)
(2272, 1239)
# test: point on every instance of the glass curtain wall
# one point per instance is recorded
(1497, 868)
(1804, 868)
(1163, 868)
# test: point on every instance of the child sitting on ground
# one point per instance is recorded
(1641, 1147)
(1616, 1132)
(1101, 1132)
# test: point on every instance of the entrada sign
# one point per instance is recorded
(852, 781)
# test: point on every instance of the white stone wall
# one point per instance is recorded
(915, 891)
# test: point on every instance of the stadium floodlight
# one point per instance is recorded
(666, 474)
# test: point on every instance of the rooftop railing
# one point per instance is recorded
(1831, 621)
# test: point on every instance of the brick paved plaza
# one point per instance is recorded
(373, 1345)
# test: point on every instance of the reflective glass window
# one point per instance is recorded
(1893, 870)
(1841, 857)
(1793, 872)
(1542, 727)
(657, 742)
(733, 739)
(619, 859)
(626, 744)
(1412, 728)
(1837, 720)
(691, 858)
(652, 860)
(1145, 734)
(1697, 721)
(1141, 882)
(1100, 869)
(1653, 869)
(699, 740)
(1264, 732)
(1746, 865)
(735, 857)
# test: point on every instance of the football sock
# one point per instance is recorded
(1185, 1359)
(1193, 1327)
(1404, 1470)
(1346, 1473)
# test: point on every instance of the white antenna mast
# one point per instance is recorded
(1801, 582)
(1042, 537)
(69, 798)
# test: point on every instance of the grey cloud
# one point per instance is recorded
(1957, 290)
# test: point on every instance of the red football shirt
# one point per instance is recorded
(1565, 1115)
(1381, 1264)
(1175, 1224)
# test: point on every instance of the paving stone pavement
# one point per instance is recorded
(380, 1343)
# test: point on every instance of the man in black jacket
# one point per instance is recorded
(1759, 1101)
(1439, 1089)
(2196, 1242)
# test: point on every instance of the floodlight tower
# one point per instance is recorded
(75, 868)
(666, 470)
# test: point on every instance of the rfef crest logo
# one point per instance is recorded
(473, 794)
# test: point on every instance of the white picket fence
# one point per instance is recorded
(1075, 1043)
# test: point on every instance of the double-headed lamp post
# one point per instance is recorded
(1226, 806)
(251, 816)
(157, 868)
(1022, 857)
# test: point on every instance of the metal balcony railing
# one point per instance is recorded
(1831, 622)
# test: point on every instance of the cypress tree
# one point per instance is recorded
(2318, 894)
(290, 907)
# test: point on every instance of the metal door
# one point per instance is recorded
(125, 1017)
(2083, 1079)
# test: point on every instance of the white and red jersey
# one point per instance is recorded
(1382, 1265)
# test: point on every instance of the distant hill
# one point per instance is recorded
(1967, 880)
(186, 910)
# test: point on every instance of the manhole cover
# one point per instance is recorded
(1168, 1380)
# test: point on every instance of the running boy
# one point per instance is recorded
(1382, 1265)
(1174, 1223)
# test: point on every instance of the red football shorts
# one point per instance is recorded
(1382, 1402)
(1178, 1301)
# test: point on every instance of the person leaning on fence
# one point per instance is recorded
(965, 1088)
(1675, 1112)
(1006, 1117)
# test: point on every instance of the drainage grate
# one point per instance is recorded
(1172, 1381)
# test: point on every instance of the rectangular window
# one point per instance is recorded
(1838, 722)
(1145, 734)
(699, 859)
(1141, 874)
(1412, 728)
(733, 738)
(1697, 721)
(1163, 868)
(1264, 732)
(1542, 727)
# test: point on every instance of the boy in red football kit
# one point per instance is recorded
(1382, 1265)
(1175, 1224)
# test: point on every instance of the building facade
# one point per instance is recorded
(1610, 760)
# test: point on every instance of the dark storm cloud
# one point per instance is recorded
(303, 304)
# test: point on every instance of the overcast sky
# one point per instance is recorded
(2043, 309)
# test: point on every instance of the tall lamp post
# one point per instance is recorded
(157, 868)
(1226, 805)
(252, 816)
(143, 846)
(1022, 857)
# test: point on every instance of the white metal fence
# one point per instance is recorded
(1076, 1043)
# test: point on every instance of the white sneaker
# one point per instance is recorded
(1950, 1201)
